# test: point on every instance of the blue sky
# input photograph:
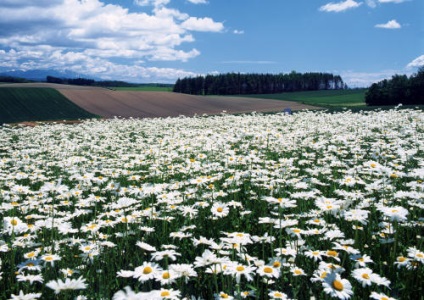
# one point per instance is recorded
(162, 40)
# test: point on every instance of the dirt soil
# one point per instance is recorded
(108, 103)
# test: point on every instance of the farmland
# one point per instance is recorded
(131, 103)
(228, 207)
(37, 104)
(323, 98)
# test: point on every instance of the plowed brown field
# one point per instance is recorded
(136, 104)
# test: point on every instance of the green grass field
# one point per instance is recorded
(325, 98)
(37, 104)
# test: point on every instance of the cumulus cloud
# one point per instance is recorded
(392, 24)
(363, 79)
(69, 33)
(151, 2)
(416, 63)
(202, 24)
(236, 31)
(340, 6)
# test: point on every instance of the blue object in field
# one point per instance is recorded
(287, 111)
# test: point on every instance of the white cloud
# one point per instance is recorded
(340, 6)
(236, 31)
(392, 24)
(364, 79)
(416, 63)
(198, 1)
(371, 3)
(87, 64)
(75, 34)
(392, 1)
(202, 24)
(151, 2)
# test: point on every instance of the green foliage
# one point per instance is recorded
(75, 81)
(10, 79)
(398, 90)
(113, 84)
(37, 104)
(325, 98)
(242, 84)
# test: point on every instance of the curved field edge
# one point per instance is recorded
(151, 104)
(37, 104)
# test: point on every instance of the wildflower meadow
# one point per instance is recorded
(313, 205)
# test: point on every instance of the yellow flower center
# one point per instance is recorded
(365, 276)
(278, 295)
(14, 222)
(240, 268)
(401, 259)
(165, 294)
(268, 270)
(276, 264)
(166, 275)
(332, 253)
(384, 298)
(420, 255)
(31, 255)
(297, 230)
(223, 295)
(298, 272)
(92, 226)
(48, 258)
(338, 285)
(147, 270)
(323, 275)
(219, 209)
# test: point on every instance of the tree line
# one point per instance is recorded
(399, 89)
(10, 79)
(241, 84)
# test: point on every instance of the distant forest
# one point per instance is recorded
(241, 84)
(102, 83)
(400, 89)
(11, 79)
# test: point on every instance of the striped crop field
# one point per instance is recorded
(37, 104)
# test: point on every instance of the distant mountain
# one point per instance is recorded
(40, 75)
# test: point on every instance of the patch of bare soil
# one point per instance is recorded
(136, 104)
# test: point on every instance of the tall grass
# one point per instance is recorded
(252, 206)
